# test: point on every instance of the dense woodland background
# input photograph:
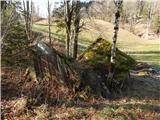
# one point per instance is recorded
(86, 60)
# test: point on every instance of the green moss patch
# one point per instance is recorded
(96, 62)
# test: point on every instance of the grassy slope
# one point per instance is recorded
(126, 41)
(94, 28)
(141, 102)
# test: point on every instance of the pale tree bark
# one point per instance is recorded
(72, 22)
(150, 17)
(140, 7)
(31, 21)
(27, 18)
(118, 4)
(158, 29)
(68, 18)
(49, 21)
(135, 14)
(76, 28)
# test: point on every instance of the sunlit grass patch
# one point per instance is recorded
(127, 41)
(153, 59)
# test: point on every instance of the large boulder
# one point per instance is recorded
(88, 74)
(95, 64)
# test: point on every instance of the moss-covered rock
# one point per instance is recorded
(97, 59)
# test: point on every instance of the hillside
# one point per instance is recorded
(69, 68)
(127, 41)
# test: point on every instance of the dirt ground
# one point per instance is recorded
(141, 101)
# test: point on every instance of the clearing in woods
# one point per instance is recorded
(139, 102)
(127, 41)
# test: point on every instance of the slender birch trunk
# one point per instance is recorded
(118, 4)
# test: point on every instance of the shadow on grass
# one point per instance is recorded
(54, 35)
(61, 39)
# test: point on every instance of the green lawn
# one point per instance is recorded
(153, 59)
(127, 41)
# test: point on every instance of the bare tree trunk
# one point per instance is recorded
(118, 4)
(27, 18)
(68, 18)
(150, 17)
(49, 22)
(76, 29)
(72, 22)
(71, 43)
(31, 20)
(140, 7)
(116, 28)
